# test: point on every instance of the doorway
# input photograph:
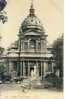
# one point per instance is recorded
(32, 64)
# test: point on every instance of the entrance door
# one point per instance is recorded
(32, 64)
(31, 68)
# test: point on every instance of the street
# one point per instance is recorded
(14, 91)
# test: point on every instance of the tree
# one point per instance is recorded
(13, 46)
(3, 16)
(2, 4)
(1, 51)
(2, 68)
(57, 51)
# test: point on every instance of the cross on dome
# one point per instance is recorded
(31, 9)
(31, 22)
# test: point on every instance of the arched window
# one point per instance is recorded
(32, 44)
(25, 45)
(39, 45)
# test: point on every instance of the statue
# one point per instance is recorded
(35, 77)
(34, 73)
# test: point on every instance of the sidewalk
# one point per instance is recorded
(31, 94)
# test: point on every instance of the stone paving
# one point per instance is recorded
(14, 91)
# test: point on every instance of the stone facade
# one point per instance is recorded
(31, 49)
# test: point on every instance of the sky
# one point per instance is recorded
(50, 13)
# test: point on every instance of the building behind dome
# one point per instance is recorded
(31, 49)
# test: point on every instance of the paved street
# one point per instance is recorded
(14, 91)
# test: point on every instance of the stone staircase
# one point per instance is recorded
(36, 83)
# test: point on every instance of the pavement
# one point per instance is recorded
(14, 91)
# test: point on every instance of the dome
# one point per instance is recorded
(31, 23)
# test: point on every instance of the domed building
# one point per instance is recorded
(31, 49)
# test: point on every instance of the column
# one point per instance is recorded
(41, 69)
(28, 45)
(10, 66)
(28, 68)
(20, 68)
(45, 67)
(36, 46)
(42, 45)
(53, 64)
(17, 67)
(24, 68)
(37, 69)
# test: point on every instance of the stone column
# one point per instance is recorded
(10, 66)
(28, 69)
(53, 64)
(24, 68)
(45, 67)
(43, 45)
(17, 68)
(36, 46)
(21, 68)
(37, 68)
(41, 68)
(28, 45)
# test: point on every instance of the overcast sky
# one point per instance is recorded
(50, 13)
